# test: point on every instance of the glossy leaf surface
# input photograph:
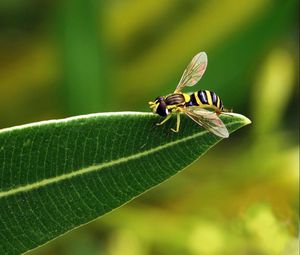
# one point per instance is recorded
(57, 175)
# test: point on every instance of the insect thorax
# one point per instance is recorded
(175, 99)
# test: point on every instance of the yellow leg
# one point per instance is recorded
(165, 120)
(177, 123)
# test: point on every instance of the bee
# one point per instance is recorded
(203, 106)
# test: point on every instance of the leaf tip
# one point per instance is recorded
(245, 120)
(242, 119)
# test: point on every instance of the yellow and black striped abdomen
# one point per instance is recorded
(206, 99)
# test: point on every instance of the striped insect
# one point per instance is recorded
(202, 106)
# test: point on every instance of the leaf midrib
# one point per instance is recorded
(96, 167)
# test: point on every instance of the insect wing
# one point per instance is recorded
(194, 71)
(208, 120)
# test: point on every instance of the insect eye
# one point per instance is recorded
(162, 109)
(159, 99)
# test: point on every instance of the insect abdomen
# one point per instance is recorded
(205, 99)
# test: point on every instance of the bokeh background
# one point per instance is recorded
(71, 57)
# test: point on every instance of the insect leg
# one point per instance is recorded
(165, 120)
(177, 123)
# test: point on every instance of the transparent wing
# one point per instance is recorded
(193, 72)
(208, 120)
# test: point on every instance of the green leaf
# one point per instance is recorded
(57, 175)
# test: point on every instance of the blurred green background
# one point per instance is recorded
(70, 57)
